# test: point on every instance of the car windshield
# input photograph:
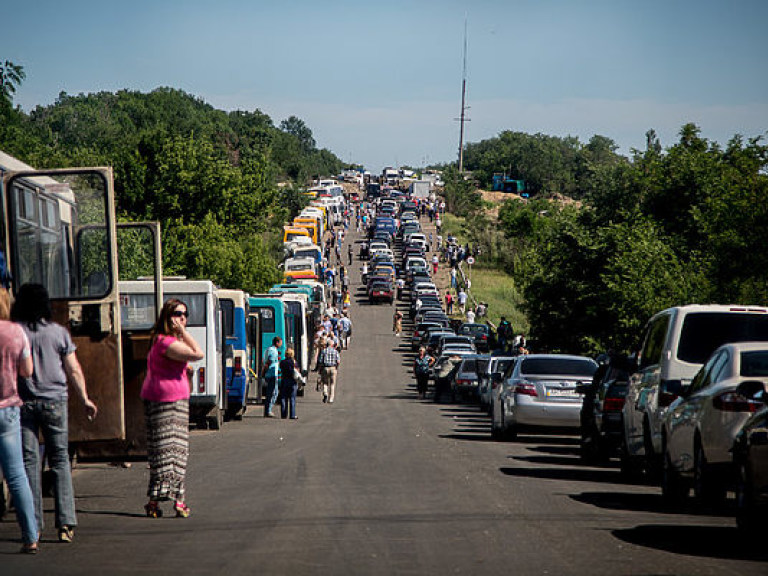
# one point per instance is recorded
(474, 329)
(754, 363)
(558, 366)
(704, 332)
(469, 365)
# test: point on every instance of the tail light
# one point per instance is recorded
(415, 333)
(238, 364)
(200, 380)
(463, 382)
(526, 389)
(613, 404)
(484, 337)
(735, 402)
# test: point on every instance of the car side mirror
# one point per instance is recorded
(752, 389)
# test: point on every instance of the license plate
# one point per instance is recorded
(561, 392)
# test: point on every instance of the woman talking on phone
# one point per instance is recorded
(166, 406)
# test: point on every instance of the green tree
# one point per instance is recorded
(11, 77)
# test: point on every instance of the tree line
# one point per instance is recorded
(220, 183)
(606, 240)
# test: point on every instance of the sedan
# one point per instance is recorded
(378, 291)
(750, 459)
(699, 427)
(540, 392)
(481, 333)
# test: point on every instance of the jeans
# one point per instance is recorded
(270, 394)
(288, 399)
(12, 463)
(50, 418)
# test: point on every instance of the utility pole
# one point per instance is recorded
(464, 108)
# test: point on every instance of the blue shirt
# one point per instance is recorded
(272, 359)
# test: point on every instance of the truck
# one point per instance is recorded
(419, 189)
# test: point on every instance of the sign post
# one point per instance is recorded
(470, 261)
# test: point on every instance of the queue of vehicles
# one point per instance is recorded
(60, 230)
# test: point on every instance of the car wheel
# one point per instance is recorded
(653, 462)
(673, 489)
(707, 487)
(589, 446)
(748, 517)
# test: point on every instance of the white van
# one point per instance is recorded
(676, 342)
(207, 402)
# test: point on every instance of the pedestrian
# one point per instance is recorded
(462, 300)
(453, 277)
(345, 330)
(346, 301)
(45, 410)
(165, 392)
(290, 377)
(15, 362)
(505, 333)
(329, 359)
(397, 322)
(448, 303)
(269, 371)
(470, 316)
(421, 365)
(434, 264)
(349, 253)
(400, 287)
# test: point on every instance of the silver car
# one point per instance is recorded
(540, 392)
(487, 366)
(700, 426)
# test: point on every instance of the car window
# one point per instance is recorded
(654, 342)
(703, 332)
(704, 375)
(754, 363)
(719, 372)
(558, 366)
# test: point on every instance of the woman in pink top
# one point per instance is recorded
(166, 406)
(15, 361)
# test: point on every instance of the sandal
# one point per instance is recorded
(153, 509)
(182, 510)
(66, 534)
(30, 548)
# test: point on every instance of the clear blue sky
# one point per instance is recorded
(380, 83)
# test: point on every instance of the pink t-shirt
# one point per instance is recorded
(14, 347)
(166, 379)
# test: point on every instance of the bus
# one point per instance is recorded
(208, 397)
(272, 322)
(58, 229)
(234, 318)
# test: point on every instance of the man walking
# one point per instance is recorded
(329, 360)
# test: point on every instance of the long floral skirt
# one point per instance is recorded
(167, 448)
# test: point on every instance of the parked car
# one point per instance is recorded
(540, 392)
(603, 401)
(675, 344)
(699, 428)
(465, 380)
(485, 371)
(454, 342)
(481, 334)
(381, 290)
(750, 459)
(419, 332)
(443, 372)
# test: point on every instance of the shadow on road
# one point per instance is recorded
(653, 503)
(703, 541)
(567, 474)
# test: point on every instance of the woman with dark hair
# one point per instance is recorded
(166, 406)
(289, 385)
(15, 361)
(45, 396)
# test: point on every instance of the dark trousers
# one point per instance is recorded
(288, 399)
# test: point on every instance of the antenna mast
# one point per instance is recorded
(464, 108)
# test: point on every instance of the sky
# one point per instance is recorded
(379, 84)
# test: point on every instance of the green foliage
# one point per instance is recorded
(668, 227)
(210, 177)
(461, 196)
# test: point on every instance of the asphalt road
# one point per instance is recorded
(382, 483)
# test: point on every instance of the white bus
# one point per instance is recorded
(208, 398)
